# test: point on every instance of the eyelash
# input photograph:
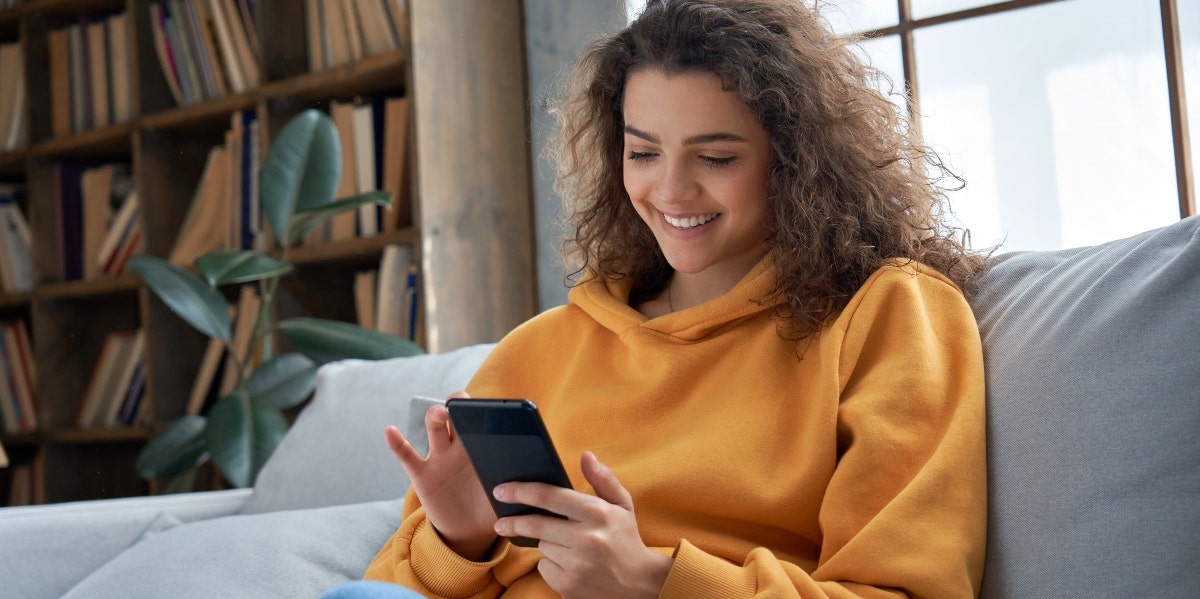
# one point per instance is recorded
(713, 162)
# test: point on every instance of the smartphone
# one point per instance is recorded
(507, 441)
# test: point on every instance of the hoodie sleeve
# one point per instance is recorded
(904, 514)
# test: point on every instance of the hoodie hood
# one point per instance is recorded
(607, 302)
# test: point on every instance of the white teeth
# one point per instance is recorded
(691, 222)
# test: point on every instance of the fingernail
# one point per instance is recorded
(500, 492)
(501, 527)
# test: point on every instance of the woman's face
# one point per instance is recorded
(696, 166)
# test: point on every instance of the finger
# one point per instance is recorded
(436, 419)
(604, 482)
(460, 394)
(568, 503)
(546, 529)
(402, 449)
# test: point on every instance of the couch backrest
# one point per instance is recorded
(1093, 381)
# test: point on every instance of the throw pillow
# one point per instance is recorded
(335, 453)
(1093, 383)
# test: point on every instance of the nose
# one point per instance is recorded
(676, 183)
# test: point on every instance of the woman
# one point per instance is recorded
(767, 373)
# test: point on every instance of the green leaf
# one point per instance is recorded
(242, 433)
(304, 220)
(222, 267)
(184, 293)
(301, 171)
(329, 341)
(284, 381)
(178, 449)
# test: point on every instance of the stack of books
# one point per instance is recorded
(18, 408)
(225, 211)
(206, 48)
(90, 78)
(16, 255)
(114, 392)
(343, 31)
(97, 227)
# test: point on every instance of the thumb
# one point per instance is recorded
(604, 482)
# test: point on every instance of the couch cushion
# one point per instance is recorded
(1093, 382)
(335, 452)
(296, 553)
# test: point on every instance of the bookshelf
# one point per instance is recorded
(468, 182)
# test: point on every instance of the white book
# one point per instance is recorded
(364, 168)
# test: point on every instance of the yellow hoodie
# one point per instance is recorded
(857, 471)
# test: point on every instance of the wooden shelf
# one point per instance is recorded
(203, 114)
(100, 435)
(67, 6)
(15, 300)
(12, 163)
(352, 249)
(15, 440)
(369, 75)
(96, 143)
(84, 289)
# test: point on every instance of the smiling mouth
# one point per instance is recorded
(690, 222)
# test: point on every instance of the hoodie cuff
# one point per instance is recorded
(446, 573)
(698, 575)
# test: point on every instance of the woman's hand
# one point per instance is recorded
(596, 551)
(445, 482)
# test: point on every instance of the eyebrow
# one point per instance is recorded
(695, 139)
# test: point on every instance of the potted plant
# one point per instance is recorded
(240, 431)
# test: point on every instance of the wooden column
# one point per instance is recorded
(472, 171)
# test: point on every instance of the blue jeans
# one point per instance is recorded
(370, 589)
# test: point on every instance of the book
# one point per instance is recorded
(132, 402)
(395, 164)
(336, 36)
(364, 162)
(243, 336)
(118, 229)
(60, 81)
(397, 20)
(10, 410)
(364, 298)
(19, 364)
(166, 58)
(249, 24)
(3, 460)
(11, 86)
(229, 53)
(355, 39)
(391, 311)
(103, 378)
(69, 201)
(131, 359)
(120, 86)
(16, 255)
(209, 46)
(343, 226)
(96, 190)
(207, 374)
(132, 244)
(206, 225)
(312, 25)
(97, 65)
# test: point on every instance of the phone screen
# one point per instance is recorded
(507, 441)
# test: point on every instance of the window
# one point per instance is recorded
(1063, 116)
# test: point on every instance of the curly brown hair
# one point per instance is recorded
(851, 185)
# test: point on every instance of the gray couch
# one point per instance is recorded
(1093, 358)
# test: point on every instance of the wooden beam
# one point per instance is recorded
(473, 173)
(1184, 177)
